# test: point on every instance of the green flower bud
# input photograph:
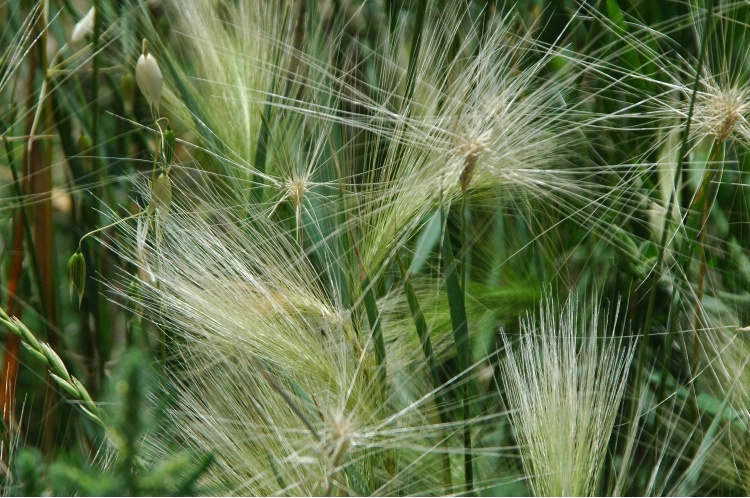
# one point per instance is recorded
(92, 416)
(26, 334)
(36, 354)
(84, 143)
(161, 196)
(170, 142)
(77, 275)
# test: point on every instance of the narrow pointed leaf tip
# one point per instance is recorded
(77, 275)
(149, 78)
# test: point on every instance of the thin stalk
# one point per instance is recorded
(40, 185)
(457, 308)
(684, 147)
(706, 205)
(102, 331)
(416, 42)
(373, 317)
(411, 73)
(674, 303)
(23, 217)
(115, 223)
(95, 80)
(695, 224)
(424, 339)
(288, 400)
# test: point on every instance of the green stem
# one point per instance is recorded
(672, 199)
(424, 339)
(707, 191)
(139, 213)
(27, 228)
(457, 308)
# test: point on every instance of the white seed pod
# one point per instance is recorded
(149, 79)
(83, 27)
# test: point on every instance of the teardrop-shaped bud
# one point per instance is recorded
(77, 275)
(161, 196)
(83, 27)
(149, 79)
(170, 142)
(84, 143)
(84, 152)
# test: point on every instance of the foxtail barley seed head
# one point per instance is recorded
(565, 397)
(149, 78)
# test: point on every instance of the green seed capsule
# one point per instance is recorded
(84, 143)
(161, 196)
(77, 275)
(170, 143)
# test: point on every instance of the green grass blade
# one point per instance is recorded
(424, 339)
(419, 321)
(373, 317)
(457, 307)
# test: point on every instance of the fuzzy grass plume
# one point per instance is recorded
(565, 383)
